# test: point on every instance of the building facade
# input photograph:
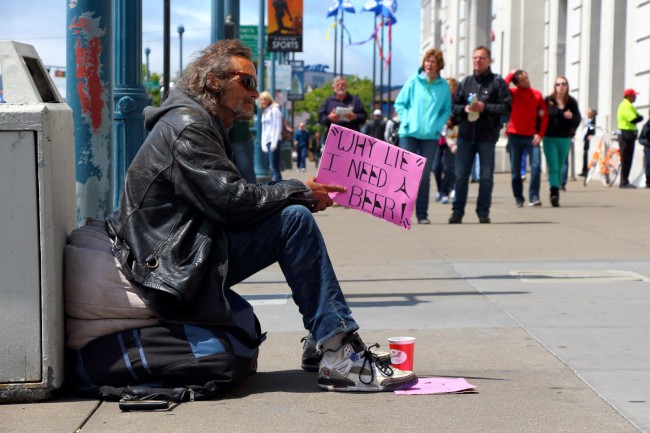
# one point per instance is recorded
(601, 46)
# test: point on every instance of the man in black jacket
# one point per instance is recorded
(342, 108)
(189, 226)
(480, 102)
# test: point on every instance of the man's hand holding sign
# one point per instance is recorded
(379, 179)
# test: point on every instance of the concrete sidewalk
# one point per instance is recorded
(545, 311)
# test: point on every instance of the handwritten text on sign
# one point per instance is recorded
(381, 179)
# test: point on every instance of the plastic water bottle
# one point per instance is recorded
(472, 116)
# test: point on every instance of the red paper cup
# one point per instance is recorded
(401, 352)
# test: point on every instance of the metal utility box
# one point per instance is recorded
(37, 212)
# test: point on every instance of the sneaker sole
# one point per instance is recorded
(341, 385)
(312, 368)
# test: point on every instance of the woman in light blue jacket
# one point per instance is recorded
(424, 106)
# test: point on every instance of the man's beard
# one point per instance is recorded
(240, 112)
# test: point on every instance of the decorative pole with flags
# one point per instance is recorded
(389, 8)
(342, 6)
(346, 6)
(373, 6)
(333, 11)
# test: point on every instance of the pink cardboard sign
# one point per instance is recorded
(381, 179)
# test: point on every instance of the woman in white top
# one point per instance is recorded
(271, 129)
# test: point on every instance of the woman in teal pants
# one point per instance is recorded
(563, 119)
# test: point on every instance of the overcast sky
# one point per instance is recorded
(41, 23)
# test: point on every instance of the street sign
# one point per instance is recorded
(248, 36)
(297, 90)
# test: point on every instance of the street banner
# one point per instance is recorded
(381, 179)
(282, 77)
(297, 90)
(284, 25)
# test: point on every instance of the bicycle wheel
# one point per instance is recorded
(614, 167)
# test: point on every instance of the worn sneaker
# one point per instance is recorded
(311, 356)
(354, 368)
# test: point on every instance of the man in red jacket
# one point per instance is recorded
(526, 129)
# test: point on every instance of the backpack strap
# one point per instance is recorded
(245, 338)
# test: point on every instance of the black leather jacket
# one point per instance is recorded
(181, 193)
(493, 92)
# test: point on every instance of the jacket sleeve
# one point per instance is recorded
(362, 116)
(504, 99)
(445, 108)
(276, 126)
(541, 106)
(323, 112)
(202, 174)
(577, 118)
(644, 137)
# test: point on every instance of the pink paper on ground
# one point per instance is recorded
(381, 179)
(437, 385)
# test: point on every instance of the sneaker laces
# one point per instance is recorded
(371, 358)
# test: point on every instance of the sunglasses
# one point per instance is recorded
(248, 81)
(560, 84)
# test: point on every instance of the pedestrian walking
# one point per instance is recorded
(424, 106)
(563, 120)
(480, 102)
(526, 128)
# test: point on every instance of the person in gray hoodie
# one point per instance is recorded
(424, 106)
(189, 226)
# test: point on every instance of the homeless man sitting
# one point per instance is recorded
(189, 226)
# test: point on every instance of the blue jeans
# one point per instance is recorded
(274, 161)
(465, 153)
(292, 238)
(517, 144)
(427, 149)
(444, 169)
(476, 169)
(244, 160)
(302, 156)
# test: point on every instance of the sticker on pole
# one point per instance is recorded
(381, 179)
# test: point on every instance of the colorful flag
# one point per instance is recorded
(372, 6)
(334, 9)
(347, 6)
(336, 4)
(388, 10)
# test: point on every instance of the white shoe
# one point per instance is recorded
(355, 368)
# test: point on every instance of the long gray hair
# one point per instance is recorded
(215, 59)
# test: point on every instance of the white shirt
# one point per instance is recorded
(271, 126)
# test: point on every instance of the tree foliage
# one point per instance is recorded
(314, 99)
